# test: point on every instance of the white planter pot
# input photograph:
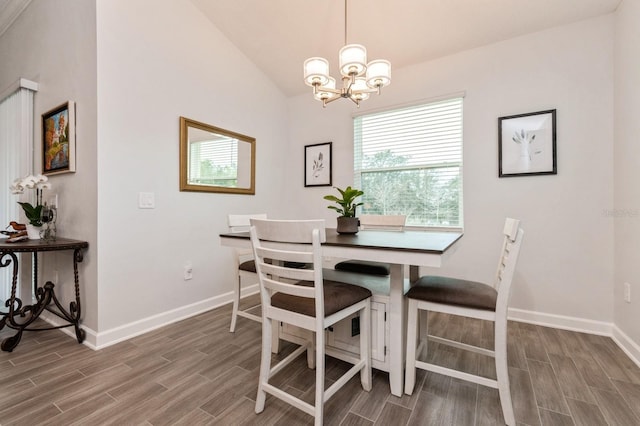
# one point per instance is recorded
(33, 232)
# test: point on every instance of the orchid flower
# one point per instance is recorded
(37, 182)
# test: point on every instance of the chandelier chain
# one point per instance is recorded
(345, 22)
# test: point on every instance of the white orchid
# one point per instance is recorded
(37, 182)
(30, 182)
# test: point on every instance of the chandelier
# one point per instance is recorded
(359, 78)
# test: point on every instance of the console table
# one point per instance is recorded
(20, 317)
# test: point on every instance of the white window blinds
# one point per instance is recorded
(16, 157)
(408, 161)
(214, 162)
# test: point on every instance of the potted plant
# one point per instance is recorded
(347, 221)
(33, 212)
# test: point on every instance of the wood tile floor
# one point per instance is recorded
(197, 373)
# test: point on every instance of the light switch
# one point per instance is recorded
(146, 200)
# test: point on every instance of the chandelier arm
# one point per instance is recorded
(355, 101)
(367, 90)
(347, 82)
(328, 101)
(328, 89)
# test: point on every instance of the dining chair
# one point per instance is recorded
(377, 223)
(469, 299)
(301, 297)
(245, 267)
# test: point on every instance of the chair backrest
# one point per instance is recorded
(513, 235)
(300, 242)
(241, 222)
(380, 222)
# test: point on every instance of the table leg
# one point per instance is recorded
(17, 311)
(20, 317)
(396, 329)
(74, 312)
(12, 304)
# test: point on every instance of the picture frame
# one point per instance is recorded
(59, 140)
(527, 144)
(318, 164)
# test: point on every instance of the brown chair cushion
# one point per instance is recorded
(337, 296)
(250, 265)
(364, 267)
(454, 291)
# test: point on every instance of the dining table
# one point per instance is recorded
(401, 250)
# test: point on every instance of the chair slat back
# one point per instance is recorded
(302, 241)
(382, 222)
(241, 223)
(513, 236)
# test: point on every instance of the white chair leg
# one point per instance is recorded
(265, 365)
(311, 352)
(275, 337)
(319, 404)
(502, 371)
(365, 347)
(412, 342)
(236, 305)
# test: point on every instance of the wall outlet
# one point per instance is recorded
(627, 292)
(188, 271)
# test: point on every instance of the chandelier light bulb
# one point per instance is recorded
(316, 71)
(323, 94)
(353, 60)
(359, 90)
(378, 73)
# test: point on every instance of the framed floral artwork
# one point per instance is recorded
(317, 164)
(527, 144)
(59, 140)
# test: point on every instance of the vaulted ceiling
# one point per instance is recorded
(278, 35)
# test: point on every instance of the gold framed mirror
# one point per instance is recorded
(216, 160)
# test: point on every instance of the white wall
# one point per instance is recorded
(627, 168)
(53, 44)
(158, 60)
(566, 265)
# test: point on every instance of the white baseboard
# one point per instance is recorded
(101, 340)
(107, 338)
(562, 322)
(629, 347)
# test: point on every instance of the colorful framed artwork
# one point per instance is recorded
(59, 140)
(527, 144)
(317, 164)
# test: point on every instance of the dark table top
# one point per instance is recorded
(30, 246)
(415, 241)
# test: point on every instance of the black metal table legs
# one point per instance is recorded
(20, 317)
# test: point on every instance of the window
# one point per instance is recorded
(409, 161)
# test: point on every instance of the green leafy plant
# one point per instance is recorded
(32, 213)
(347, 202)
